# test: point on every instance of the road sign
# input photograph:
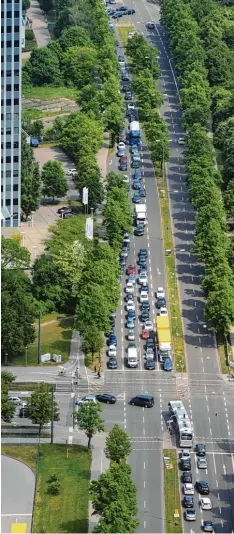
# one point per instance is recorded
(85, 195)
(89, 228)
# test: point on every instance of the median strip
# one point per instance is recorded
(172, 493)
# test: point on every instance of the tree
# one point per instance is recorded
(80, 65)
(74, 36)
(93, 340)
(70, 261)
(46, 5)
(229, 199)
(114, 500)
(89, 420)
(43, 68)
(19, 310)
(219, 309)
(92, 308)
(25, 5)
(13, 254)
(40, 407)
(50, 285)
(30, 180)
(54, 179)
(113, 118)
(118, 445)
(7, 407)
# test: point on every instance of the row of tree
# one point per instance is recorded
(217, 32)
(145, 69)
(113, 495)
(211, 242)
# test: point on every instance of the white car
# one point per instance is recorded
(121, 144)
(126, 181)
(144, 288)
(131, 107)
(112, 351)
(14, 399)
(131, 335)
(185, 455)
(188, 489)
(181, 141)
(143, 296)
(205, 503)
(148, 325)
(122, 64)
(163, 311)
(130, 306)
(71, 172)
(160, 293)
(129, 287)
(143, 279)
(84, 400)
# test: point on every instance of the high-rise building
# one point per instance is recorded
(11, 43)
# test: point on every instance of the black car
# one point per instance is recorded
(161, 303)
(143, 252)
(130, 12)
(150, 344)
(150, 364)
(126, 87)
(143, 266)
(144, 315)
(106, 397)
(128, 95)
(125, 76)
(187, 477)
(146, 401)
(200, 449)
(112, 321)
(202, 487)
(185, 465)
(187, 501)
(145, 305)
(121, 58)
(64, 209)
(122, 8)
(122, 262)
(112, 364)
(23, 411)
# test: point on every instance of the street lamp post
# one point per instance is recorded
(26, 355)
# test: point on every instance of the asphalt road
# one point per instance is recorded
(17, 484)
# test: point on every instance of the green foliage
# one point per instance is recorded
(117, 215)
(42, 68)
(40, 407)
(13, 255)
(54, 179)
(74, 36)
(19, 310)
(118, 445)
(79, 65)
(54, 487)
(7, 407)
(88, 419)
(30, 180)
(46, 5)
(50, 285)
(93, 340)
(117, 508)
(25, 4)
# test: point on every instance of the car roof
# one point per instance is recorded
(142, 396)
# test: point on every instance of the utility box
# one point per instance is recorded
(57, 358)
(45, 358)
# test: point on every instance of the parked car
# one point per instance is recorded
(150, 364)
(131, 269)
(190, 514)
(200, 449)
(139, 230)
(112, 364)
(187, 477)
(123, 163)
(188, 489)
(167, 364)
(188, 501)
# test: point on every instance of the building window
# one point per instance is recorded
(16, 101)
(16, 116)
(8, 144)
(15, 201)
(16, 87)
(16, 130)
(8, 174)
(8, 202)
(16, 57)
(15, 159)
(8, 58)
(16, 144)
(15, 174)
(15, 187)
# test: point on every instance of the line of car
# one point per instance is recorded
(201, 486)
(144, 401)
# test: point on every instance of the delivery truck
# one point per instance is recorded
(164, 348)
(132, 357)
(140, 213)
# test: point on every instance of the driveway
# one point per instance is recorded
(18, 484)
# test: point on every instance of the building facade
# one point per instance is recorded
(11, 44)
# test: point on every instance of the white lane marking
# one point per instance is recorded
(144, 465)
(214, 464)
(70, 438)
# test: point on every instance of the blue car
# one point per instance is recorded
(137, 174)
(142, 192)
(130, 324)
(131, 314)
(136, 185)
(136, 198)
(112, 340)
(167, 364)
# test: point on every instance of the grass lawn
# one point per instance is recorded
(172, 493)
(24, 60)
(68, 511)
(223, 351)
(24, 453)
(55, 339)
(175, 315)
(49, 93)
(124, 30)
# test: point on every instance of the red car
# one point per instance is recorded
(145, 334)
(131, 269)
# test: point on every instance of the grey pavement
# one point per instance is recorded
(18, 484)
(39, 26)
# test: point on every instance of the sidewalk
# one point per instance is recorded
(39, 26)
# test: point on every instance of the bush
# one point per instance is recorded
(29, 35)
(54, 488)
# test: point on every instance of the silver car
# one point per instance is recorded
(190, 515)
(202, 463)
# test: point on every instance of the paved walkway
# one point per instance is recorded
(39, 26)
(18, 483)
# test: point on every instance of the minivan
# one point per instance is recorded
(146, 401)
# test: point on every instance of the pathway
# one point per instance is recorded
(39, 26)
